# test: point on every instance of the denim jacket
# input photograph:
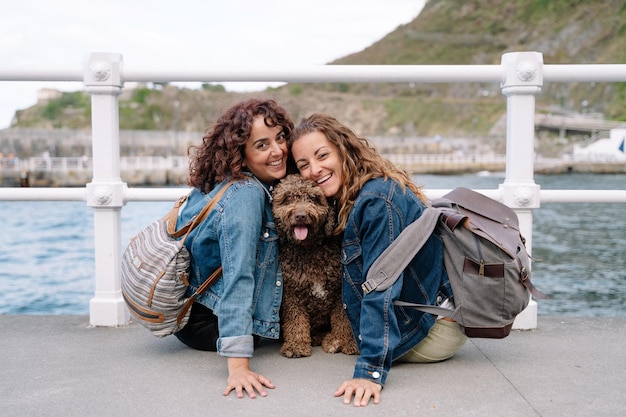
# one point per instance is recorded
(383, 331)
(239, 234)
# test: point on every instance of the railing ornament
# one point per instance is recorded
(102, 194)
(106, 194)
(100, 70)
(522, 69)
(526, 70)
(524, 196)
(103, 70)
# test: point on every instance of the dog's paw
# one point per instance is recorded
(350, 348)
(332, 344)
(293, 350)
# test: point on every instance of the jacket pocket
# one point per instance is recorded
(268, 245)
(350, 251)
(352, 262)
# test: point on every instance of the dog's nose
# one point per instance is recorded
(300, 216)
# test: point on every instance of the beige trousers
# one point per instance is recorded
(443, 340)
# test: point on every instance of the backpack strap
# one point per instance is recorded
(172, 216)
(524, 279)
(389, 265)
(427, 308)
(392, 262)
(185, 231)
(201, 290)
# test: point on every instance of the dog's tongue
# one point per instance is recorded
(301, 232)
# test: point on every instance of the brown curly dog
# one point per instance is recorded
(311, 313)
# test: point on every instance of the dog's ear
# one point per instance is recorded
(330, 221)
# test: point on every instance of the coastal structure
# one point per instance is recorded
(156, 158)
(610, 150)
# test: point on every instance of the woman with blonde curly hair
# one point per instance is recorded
(247, 145)
(375, 202)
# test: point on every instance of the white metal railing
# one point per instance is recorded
(520, 75)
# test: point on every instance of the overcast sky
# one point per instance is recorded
(37, 34)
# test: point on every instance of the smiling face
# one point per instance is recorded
(318, 159)
(266, 151)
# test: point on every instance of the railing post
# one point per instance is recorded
(523, 79)
(103, 80)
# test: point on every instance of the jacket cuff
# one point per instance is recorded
(373, 373)
(236, 346)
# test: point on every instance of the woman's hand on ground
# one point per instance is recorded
(361, 389)
(241, 378)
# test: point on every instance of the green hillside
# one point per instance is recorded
(480, 31)
(446, 32)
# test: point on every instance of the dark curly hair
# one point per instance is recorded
(222, 151)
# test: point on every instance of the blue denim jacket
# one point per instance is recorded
(239, 234)
(383, 331)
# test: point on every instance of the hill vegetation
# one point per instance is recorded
(445, 32)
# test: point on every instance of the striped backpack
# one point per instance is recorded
(155, 270)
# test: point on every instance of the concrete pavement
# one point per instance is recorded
(60, 366)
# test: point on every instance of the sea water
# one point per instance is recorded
(47, 248)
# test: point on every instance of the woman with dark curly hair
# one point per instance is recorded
(248, 144)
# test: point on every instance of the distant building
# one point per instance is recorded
(609, 150)
(46, 94)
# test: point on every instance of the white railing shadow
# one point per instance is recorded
(520, 75)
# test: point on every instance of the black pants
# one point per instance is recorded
(201, 331)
